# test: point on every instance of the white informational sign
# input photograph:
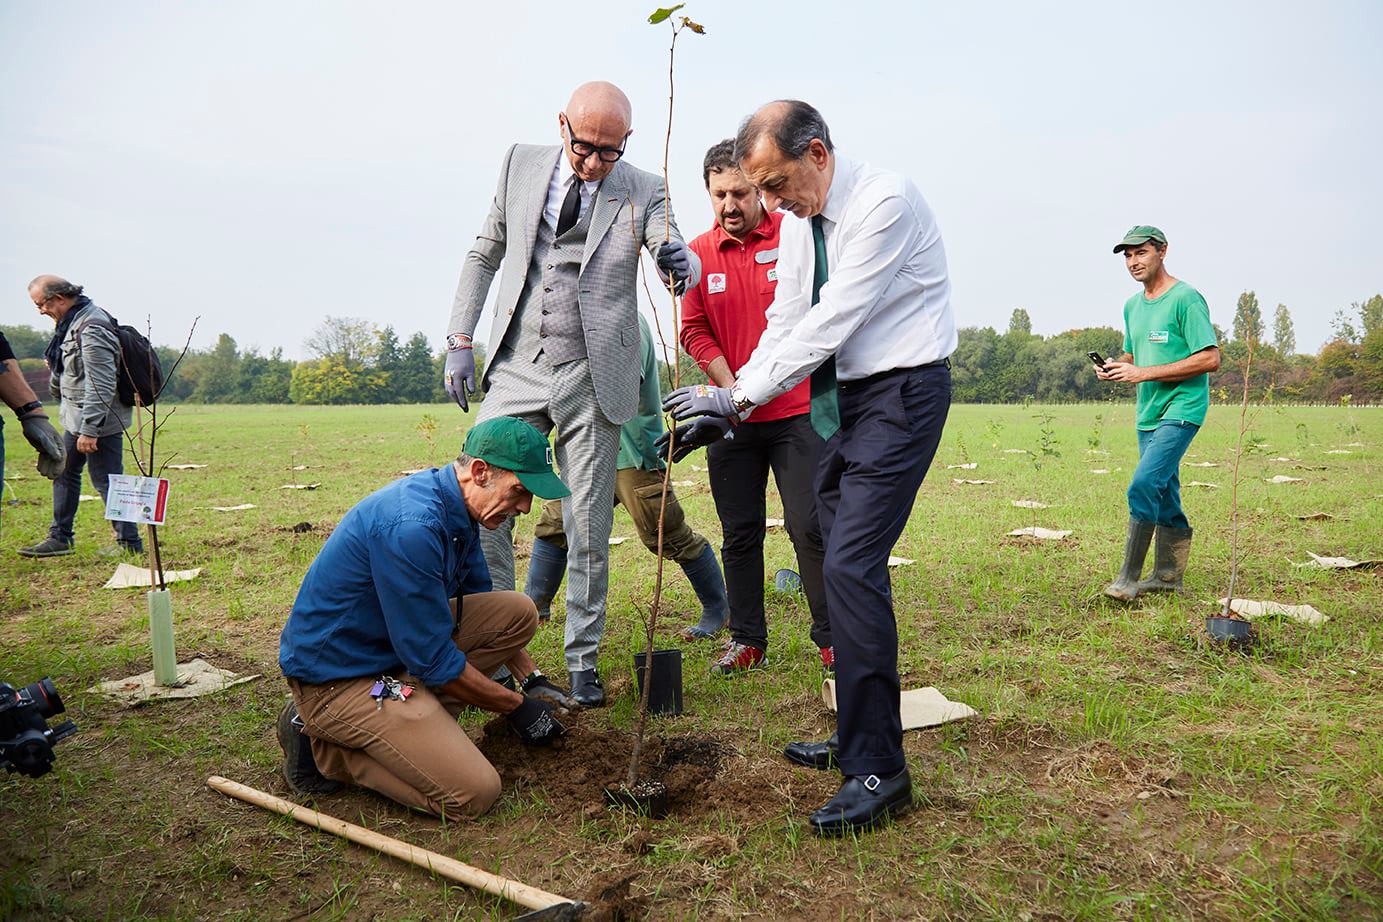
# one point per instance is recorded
(137, 499)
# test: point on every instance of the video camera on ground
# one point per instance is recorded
(26, 740)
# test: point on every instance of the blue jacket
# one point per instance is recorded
(375, 599)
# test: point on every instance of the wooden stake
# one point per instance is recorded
(430, 861)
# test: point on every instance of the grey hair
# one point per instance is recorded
(791, 123)
(60, 288)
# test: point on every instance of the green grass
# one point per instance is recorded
(1122, 767)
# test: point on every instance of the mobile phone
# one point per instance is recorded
(1096, 358)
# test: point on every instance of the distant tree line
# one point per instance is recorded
(354, 361)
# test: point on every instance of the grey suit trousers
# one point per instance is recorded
(587, 445)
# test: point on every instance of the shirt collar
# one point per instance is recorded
(458, 517)
(842, 184)
(565, 171)
(763, 231)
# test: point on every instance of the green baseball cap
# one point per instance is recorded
(1140, 235)
(514, 445)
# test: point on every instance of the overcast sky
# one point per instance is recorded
(267, 164)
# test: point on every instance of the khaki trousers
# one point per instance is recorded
(413, 751)
(640, 492)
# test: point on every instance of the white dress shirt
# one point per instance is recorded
(886, 303)
(557, 191)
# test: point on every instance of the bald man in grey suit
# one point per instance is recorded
(568, 223)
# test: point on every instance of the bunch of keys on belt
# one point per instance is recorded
(389, 687)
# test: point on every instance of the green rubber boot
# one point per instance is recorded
(1125, 586)
(1171, 550)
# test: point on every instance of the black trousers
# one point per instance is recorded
(867, 481)
(739, 476)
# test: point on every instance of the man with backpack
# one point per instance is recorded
(84, 361)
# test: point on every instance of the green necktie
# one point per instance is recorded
(825, 407)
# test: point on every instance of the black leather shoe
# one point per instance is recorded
(863, 802)
(814, 755)
(586, 688)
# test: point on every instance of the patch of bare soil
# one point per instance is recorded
(574, 772)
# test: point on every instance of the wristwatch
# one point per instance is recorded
(28, 408)
(740, 400)
(458, 341)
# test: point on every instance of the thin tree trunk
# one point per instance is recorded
(1234, 495)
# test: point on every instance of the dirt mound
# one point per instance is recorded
(574, 771)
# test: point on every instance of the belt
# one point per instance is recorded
(881, 375)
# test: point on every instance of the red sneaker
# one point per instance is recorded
(739, 657)
(828, 658)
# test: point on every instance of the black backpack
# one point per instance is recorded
(138, 372)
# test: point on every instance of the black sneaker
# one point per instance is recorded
(48, 547)
(299, 768)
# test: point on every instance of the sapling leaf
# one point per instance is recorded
(696, 27)
(662, 13)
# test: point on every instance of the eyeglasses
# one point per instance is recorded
(584, 149)
(40, 305)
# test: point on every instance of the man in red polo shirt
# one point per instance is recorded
(722, 320)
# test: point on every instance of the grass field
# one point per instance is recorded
(1120, 767)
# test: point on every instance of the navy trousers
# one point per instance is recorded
(867, 481)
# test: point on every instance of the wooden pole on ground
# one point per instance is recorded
(450, 868)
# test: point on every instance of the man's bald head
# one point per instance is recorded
(601, 100)
(599, 115)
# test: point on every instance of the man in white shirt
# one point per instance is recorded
(863, 309)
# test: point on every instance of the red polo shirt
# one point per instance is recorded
(725, 314)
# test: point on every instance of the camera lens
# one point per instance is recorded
(44, 695)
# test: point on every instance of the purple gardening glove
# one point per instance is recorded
(460, 375)
(700, 400)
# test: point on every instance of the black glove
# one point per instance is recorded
(674, 262)
(534, 723)
(700, 432)
(539, 686)
(52, 456)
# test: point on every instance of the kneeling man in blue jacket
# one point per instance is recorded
(396, 629)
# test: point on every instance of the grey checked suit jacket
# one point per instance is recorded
(627, 216)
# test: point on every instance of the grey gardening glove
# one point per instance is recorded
(700, 432)
(52, 456)
(460, 376)
(534, 723)
(539, 686)
(700, 400)
(675, 262)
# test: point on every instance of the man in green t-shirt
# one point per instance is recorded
(1169, 351)
(639, 488)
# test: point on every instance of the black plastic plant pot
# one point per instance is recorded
(646, 797)
(787, 581)
(665, 695)
(1229, 630)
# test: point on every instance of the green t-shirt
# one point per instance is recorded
(637, 436)
(1168, 329)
